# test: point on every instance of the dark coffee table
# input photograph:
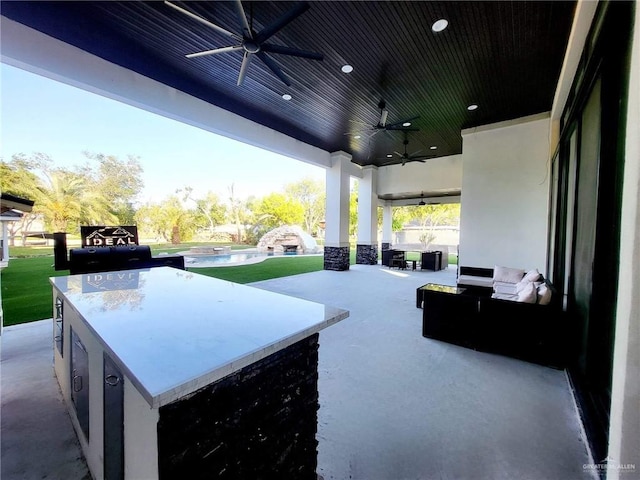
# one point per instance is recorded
(431, 287)
(449, 314)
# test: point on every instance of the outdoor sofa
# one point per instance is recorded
(531, 329)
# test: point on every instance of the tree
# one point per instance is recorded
(117, 181)
(277, 209)
(400, 216)
(239, 214)
(59, 199)
(209, 211)
(167, 220)
(66, 198)
(311, 195)
(17, 178)
(430, 216)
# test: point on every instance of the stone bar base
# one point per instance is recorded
(367, 254)
(257, 423)
(336, 258)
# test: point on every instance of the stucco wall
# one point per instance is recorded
(503, 213)
(438, 174)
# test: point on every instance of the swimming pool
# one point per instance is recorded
(233, 259)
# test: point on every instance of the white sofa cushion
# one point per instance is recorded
(528, 294)
(532, 275)
(505, 296)
(507, 275)
(544, 294)
(504, 287)
(475, 281)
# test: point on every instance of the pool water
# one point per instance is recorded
(232, 259)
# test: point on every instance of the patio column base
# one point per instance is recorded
(336, 258)
(367, 254)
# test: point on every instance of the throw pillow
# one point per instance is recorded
(528, 294)
(506, 274)
(532, 275)
(522, 284)
(544, 295)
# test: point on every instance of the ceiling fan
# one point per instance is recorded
(251, 42)
(383, 126)
(414, 157)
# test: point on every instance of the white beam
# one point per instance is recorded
(30, 50)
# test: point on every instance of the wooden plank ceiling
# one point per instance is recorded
(503, 56)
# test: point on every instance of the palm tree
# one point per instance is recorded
(67, 199)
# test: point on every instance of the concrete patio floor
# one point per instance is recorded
(393, 405)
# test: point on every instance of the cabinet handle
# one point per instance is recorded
(112, 380)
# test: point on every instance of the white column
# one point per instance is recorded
(337, 204)
(387, 221)
(624, 434)
(5, 242)
(368, 206)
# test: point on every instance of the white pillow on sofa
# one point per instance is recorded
(532, 275)
(544, 294)
(523, 284)
(503, 287)
(528, 294)
(506, 274)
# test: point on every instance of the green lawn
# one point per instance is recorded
(270, 268)
(26, 291)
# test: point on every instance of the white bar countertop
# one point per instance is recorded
(173, 332)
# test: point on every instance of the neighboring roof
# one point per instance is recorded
(13, 202)
(10, 216)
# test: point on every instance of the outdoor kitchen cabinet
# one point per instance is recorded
(189, 376)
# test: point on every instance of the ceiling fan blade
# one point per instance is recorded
(401, 129)
(396, 124)
(243, 19)
(364, 124)
(215, 51)
(203, 21)
(414, 154)
(398, 153)
(243, 68)
(273, 66)
(383, 118)
(267, 47)
(288, 17)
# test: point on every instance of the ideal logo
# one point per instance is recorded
(109, 236)
(98, 282)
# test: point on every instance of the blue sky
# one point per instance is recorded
(41, 115)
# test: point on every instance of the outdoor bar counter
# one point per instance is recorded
(172, 374)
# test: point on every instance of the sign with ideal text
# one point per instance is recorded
(111, 281)
(109, 236)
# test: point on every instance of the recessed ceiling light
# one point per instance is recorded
(406, 124)
(347, 68)
(389, 155)
(433, 147)
(473, 106)
(286, 96)
(439, 25)
(356, 136)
